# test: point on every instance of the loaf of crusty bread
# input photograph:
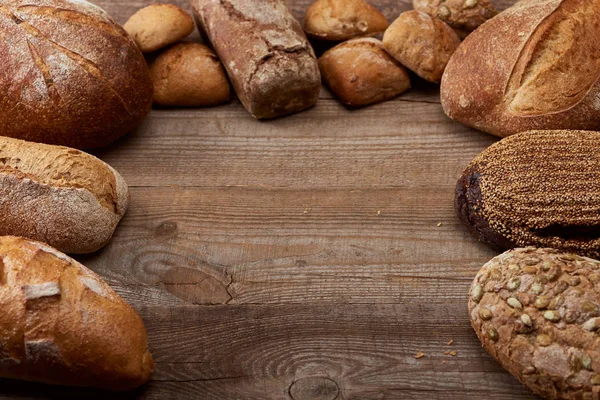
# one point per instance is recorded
(70, 74)
(270, 63)
(61, 196)
(62, 324)
(534, 66)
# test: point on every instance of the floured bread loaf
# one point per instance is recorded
(534, 66)
(62, 324)
(61, 196)
(70, 74)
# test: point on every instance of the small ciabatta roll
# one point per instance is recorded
(270, 63)
(61, 196)
(62, 324)
(70, 74)
(534, 66)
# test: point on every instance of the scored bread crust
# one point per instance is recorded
(70, 74)
(64, 197)
(537, 312)
(534, 66)
(536, 188)
(62, 324)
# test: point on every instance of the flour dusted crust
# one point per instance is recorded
(70, 75)
(464, 16)
(61, 196)
(537, 311)
(62, 324)
(534, 66)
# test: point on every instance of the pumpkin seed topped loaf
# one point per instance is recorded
(536, 188)
(537, 311)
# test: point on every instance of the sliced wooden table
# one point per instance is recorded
(310, 257)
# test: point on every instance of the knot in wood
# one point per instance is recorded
(314, 388)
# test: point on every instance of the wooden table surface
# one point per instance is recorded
(310, 257)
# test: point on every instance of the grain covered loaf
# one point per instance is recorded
(270, 63)
(61, 196)
(62, 324)
(537, 188)
(534, 66)
(70, 75)
(537, 311)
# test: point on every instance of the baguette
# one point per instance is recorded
(270, 63)
(62, 324)
(61, 196)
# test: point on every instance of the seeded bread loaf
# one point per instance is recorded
(63, 197)
(62, 324)
(537, 188)
(70, 74)
(270, 63)
(534, 66)
(537, 311)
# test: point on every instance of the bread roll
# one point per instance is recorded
(538, 188)
(61, 196)
(537, 311)
(189, 75)
(464, 16)
(159, 25)
(360, 72)
(70, 74)
(62, 324)
(270, 63)
(534, 66)
(343, 19)
(422, 43)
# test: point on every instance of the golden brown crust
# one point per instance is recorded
(343, 19)
(159, 25)
(189, 75)
(422, 43)
(58, 195)
(464, 16)
(360, 72)
(542, 73)
(537, 311)
(537, 188)
(62, 324)
(270, 63)
(56, 86)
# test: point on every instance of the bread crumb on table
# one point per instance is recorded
(420, 354)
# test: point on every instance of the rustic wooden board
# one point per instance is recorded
(309, 257)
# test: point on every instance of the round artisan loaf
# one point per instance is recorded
(536, 188)
(534, 66)
(62, 324)
(537, 311)
(70, 75)
(61, 196)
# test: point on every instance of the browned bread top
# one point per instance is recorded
(538, 188)
(534, 66)
(70, 75)
(537, 311)
(62, 324)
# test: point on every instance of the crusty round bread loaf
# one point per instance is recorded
(534, 66)
(464, 16)
(536, 188)
(70, 75)
(62, 324)
(61, 196)
(537, 311)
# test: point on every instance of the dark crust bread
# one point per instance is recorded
(537, 188)
(270, 63)
(537, 312)
(70, 74)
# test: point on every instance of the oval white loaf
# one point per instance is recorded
(62, 324)
(64, 197)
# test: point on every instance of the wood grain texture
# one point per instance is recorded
(310, 257)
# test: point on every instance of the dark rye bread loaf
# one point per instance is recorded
(537, 311)
(270, 63)
(70, 74)
(534, 66)
(536, 188)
